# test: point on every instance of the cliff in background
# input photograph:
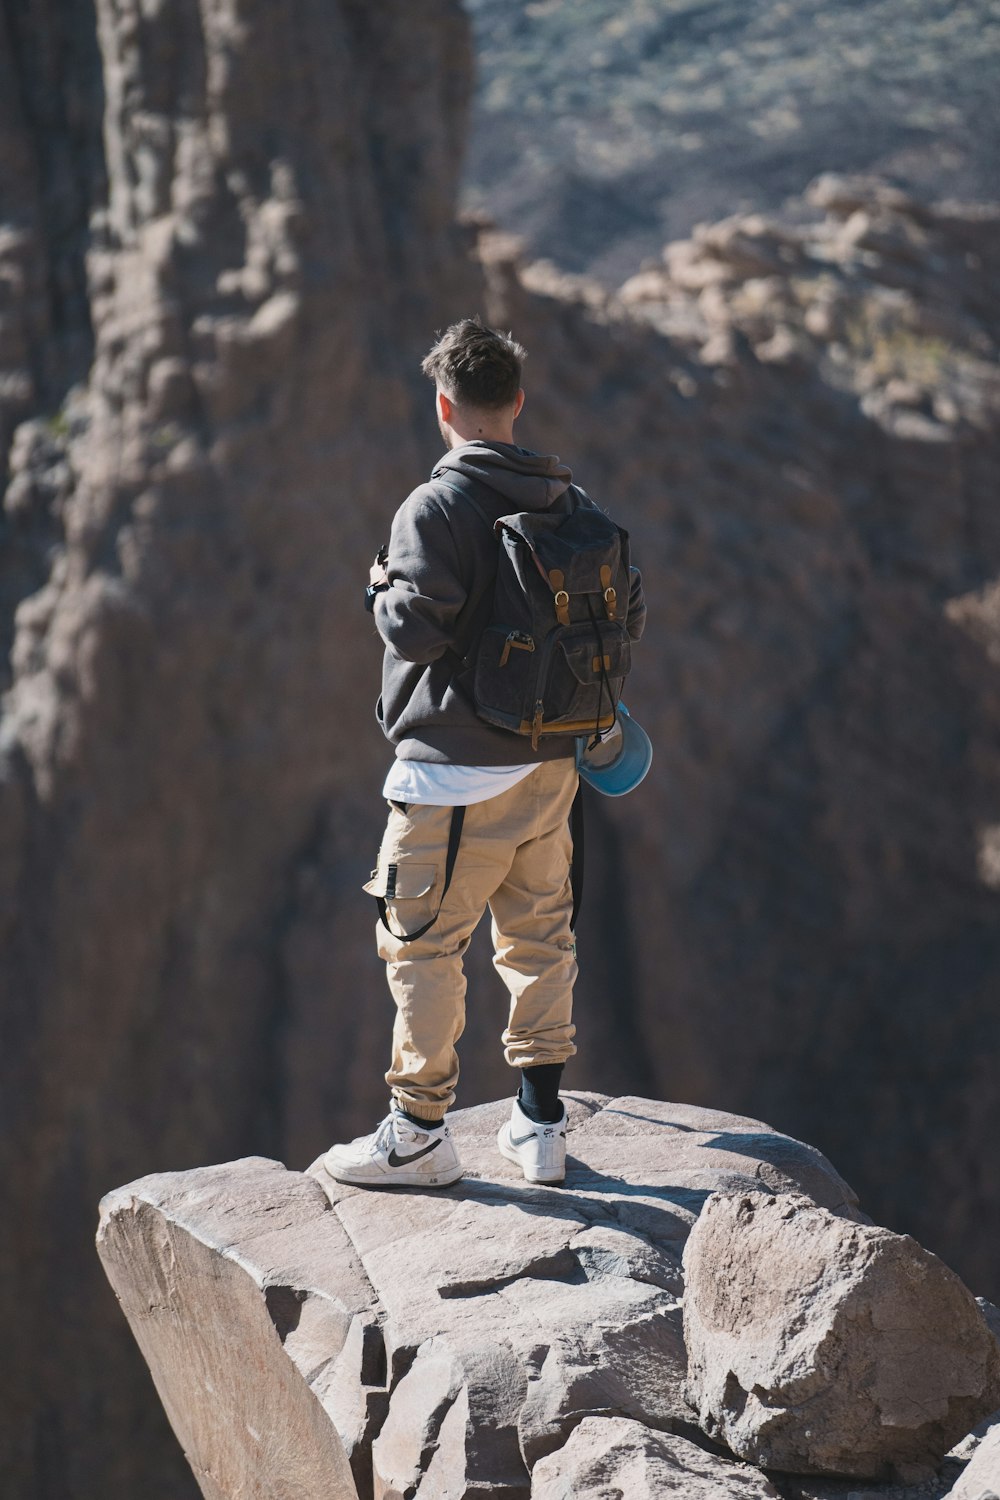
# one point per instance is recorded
(801, 423)
(601, 128)
(184, 531)
(213, 411)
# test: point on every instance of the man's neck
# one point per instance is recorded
(455, 438)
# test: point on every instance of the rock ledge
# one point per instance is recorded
(489, 1339)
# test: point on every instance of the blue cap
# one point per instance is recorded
(619, 761)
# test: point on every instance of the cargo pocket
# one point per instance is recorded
(407, 890)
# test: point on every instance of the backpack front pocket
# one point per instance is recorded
(505, 671)
(585, 672)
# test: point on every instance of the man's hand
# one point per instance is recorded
(378, 580)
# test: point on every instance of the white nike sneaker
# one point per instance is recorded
(397, 1154)
(539, 1150)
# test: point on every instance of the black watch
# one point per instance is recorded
(371, 590)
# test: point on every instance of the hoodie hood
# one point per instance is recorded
(529, 481)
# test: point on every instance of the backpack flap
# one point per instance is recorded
(570, 543)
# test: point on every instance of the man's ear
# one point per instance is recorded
(444, 407)
(518, 404)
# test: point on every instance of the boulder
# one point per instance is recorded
(248, 1304)
(612, 1457)
(820, 1345)
(326, 1339)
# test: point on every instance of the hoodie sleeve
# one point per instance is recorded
(416, 614)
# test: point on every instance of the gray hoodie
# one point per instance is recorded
(442, 562)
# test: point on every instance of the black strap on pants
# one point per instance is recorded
(576, 868)
(455, 838)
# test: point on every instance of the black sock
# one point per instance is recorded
(417, 1121)
(538, 1095)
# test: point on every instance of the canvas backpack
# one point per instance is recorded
(553, 652)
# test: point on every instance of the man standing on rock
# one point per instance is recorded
(478, 814)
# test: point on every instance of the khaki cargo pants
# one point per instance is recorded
(514, 857)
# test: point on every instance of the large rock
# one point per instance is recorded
(820, 1345)
(448, 1340)
(242, 1291)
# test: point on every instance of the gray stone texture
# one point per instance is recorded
(442, 1343)
(613, 1459)
(223, 1273)
(227, 232)
(820, 1345)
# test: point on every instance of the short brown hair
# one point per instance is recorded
(476, 366)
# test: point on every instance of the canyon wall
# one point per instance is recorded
(229, 233)
(801, 423)
(207, 442)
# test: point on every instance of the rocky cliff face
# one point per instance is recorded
(210, 399)
(801, 425)
(602, 128)
(209, 440)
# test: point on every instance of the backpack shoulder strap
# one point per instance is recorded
(467, 496)
(474, 615)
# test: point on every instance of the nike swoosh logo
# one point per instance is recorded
(522, 1140)
(395, 1160)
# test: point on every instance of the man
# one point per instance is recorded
(515, 849)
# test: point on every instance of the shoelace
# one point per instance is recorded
(382, 1135)
(377, 1137)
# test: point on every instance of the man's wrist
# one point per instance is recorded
(371, 590)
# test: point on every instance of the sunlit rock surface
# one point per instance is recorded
(493, 1338)
(820, 1346)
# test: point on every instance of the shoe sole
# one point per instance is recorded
(544, 1175)
(397, 1179)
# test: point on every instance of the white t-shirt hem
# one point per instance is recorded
(441, 785)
